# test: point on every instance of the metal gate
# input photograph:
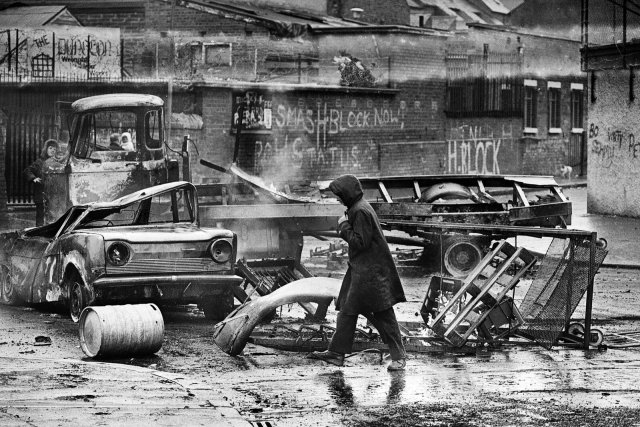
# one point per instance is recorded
(26, 133)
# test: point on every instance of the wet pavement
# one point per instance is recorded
(191, 383)
(43, 392)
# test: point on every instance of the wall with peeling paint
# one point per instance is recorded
(614, 153)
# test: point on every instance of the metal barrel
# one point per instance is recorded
(121, 330)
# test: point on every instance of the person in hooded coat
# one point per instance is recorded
(371, 285)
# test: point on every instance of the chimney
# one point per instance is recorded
(356, 12)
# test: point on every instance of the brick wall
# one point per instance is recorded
(317, 135)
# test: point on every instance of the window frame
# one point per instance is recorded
(577, 108)
(530, 107)
(554, 107)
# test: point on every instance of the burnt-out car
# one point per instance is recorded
(143, 247)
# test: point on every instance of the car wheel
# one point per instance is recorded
(8, 292)
(77, 299)
(461, 255)
(217, 307)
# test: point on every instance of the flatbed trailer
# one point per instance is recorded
(271, 223)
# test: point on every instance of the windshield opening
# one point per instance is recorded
(170, 207)
(105, 130)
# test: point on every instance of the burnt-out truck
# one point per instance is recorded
(96, 166)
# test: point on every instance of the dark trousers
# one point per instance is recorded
(384, 321)
(39, 214)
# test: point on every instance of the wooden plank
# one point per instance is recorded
(385, 194)
(469, 280)
(520, 194)
(557, 191)
(416, 189)
(483, 290)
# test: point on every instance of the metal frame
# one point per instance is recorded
(514, 231)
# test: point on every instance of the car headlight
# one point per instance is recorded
(118, 254)
(221, 251)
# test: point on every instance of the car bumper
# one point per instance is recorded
(184, 288)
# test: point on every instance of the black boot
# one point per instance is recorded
(328, 356)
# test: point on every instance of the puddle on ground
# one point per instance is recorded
(574, 376)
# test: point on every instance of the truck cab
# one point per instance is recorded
(116, 147)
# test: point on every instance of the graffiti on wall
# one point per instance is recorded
(79, 52)
(319, 137)
(475, 149)
(607, 145)
(473, 157)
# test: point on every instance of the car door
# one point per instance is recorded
(27, 264)
(35, 260)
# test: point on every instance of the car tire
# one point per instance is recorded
(8, 292)
(77, 298)
(216, 307)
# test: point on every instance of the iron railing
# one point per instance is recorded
(610, 34)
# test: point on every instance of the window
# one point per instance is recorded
(554, 94)
(217, 54)
(485, 85)
(153, 125)
(97, 128)
(577, 117)
(531, 106)
(483, 97)
(421, 21)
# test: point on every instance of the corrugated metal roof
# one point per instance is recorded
(465, 9)
(30, 16)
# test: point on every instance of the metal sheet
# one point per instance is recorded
(232, 334)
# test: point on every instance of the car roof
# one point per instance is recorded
(117, 100)
(141, 194)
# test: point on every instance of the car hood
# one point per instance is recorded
(164, 234)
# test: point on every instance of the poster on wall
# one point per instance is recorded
(252, 111)
(60, 52)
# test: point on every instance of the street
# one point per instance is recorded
(512, 385)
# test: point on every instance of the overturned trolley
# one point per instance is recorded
(486, 306)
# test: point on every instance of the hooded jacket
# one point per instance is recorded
(372, 283)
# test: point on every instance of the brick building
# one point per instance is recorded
(468, 101)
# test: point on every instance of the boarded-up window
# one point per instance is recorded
(217, 54)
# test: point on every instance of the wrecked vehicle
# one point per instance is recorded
(143, 247)
(94, 168)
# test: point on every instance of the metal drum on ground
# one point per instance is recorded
(121, 330)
